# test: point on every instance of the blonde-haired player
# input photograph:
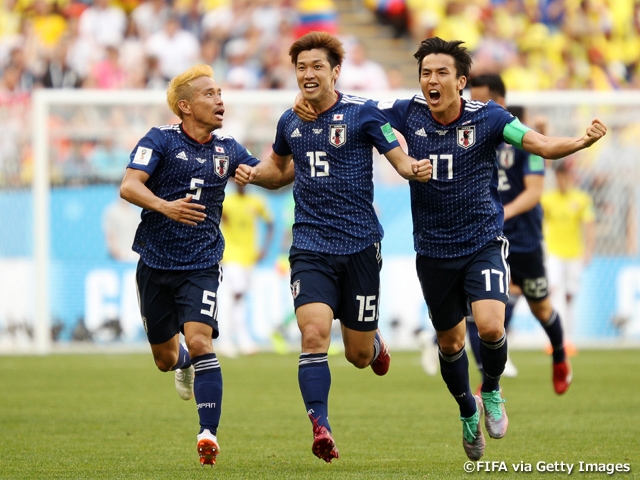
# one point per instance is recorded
(177, 175)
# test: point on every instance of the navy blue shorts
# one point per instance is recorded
(528, 272)
(450, 284)
(349, 284)
(170, 298)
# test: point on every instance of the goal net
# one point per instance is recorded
(67, 273)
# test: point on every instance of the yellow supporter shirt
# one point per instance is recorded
(564, 219)
(240, 216)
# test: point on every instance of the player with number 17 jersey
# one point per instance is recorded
(333, 187)
(179, 166)
(459, 210)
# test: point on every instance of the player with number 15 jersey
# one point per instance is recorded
(333, 188)
(335, 257)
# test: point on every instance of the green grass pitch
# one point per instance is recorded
(109, 416)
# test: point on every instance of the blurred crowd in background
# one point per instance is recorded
(534, 44)
(141, 44)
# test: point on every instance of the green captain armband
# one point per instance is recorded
(513, 133)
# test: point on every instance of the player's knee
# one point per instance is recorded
(165, 361)
(451, 347)
(542, 311)
(359, 359)
(491, 333)
(315, 339)
(199, 345)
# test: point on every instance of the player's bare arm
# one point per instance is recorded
(559, 147)
(528, 199)
(183, 210)
(409, 168)
(273, 173)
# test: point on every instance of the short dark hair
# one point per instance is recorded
(490, 80)
(435, 45)
(322, 41)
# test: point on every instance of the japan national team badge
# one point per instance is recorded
(466, 135)
(221, 165)
(295, 289)
(338, 135)
(506, 156)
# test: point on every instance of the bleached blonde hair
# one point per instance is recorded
(181, 88)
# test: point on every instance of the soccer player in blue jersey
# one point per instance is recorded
(457, 221)
(177, 175)
(520, 185)
(335, 257)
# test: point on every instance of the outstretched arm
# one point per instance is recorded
(408, 167)
(273, 173)
(134, 190)
(559, 147)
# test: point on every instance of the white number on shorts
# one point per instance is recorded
(535, 287)
(367, 304)
(487, 279)
(208, 298)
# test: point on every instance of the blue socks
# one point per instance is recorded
(207, 389)
(494, 358)
(508, 313)
(474, 342)
(455, 373)
(314, 378)
(184, 360)
(376, 347)
(553, 329)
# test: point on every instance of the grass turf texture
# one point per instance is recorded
(115, 416)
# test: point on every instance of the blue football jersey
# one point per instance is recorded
(333, 186)
(459, 210)
(523, 231)
(179, 166)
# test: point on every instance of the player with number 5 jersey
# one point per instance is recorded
(457, 221)
(178, 174)
(335, 257)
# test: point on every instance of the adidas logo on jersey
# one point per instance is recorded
(421, 133)
(182, 156)
(296, 133)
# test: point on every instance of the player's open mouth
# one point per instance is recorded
(219, 114)
(434, 95)
(310, 86)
